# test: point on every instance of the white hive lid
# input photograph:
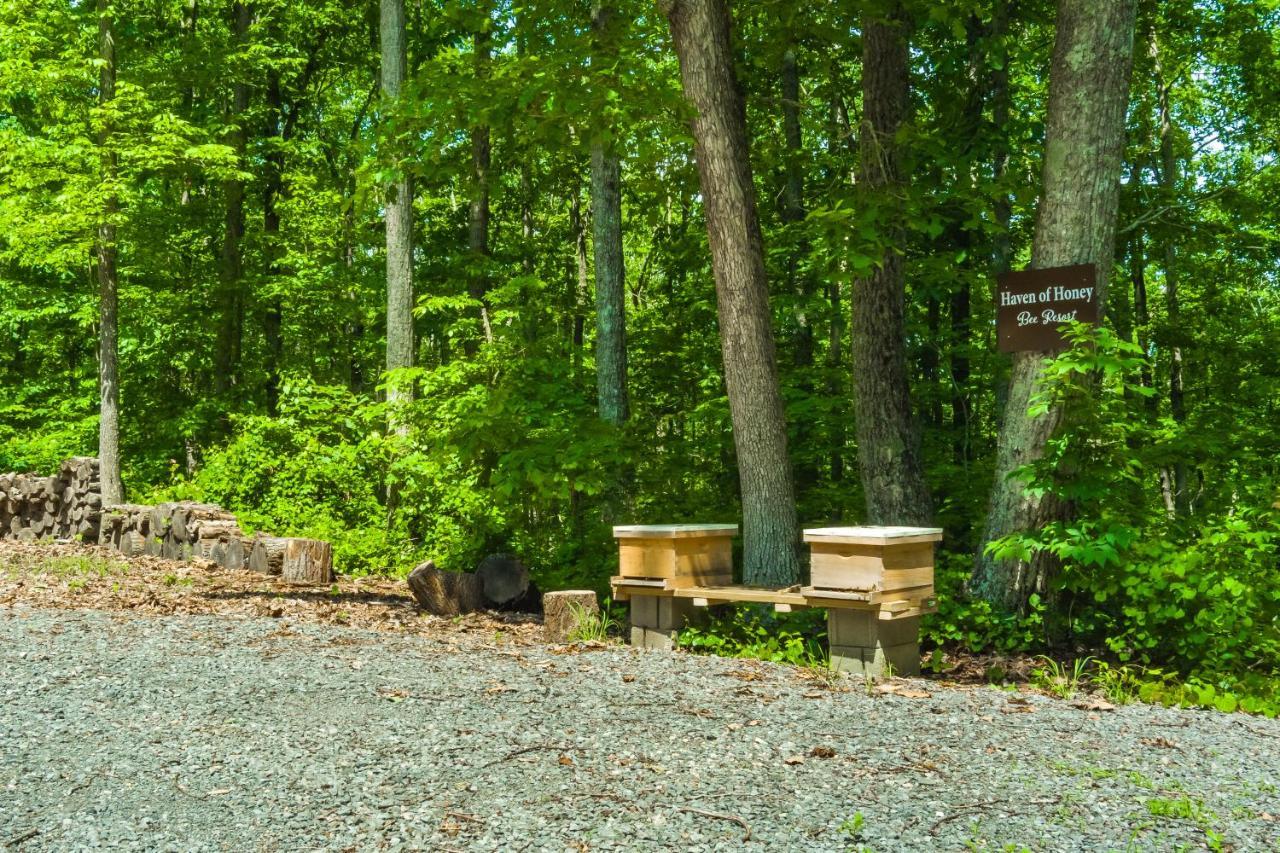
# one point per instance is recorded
(873, 535)
(674, 531)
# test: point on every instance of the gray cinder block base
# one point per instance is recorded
(656, 619)
(863, 644)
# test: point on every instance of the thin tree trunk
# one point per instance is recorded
(606, 238)
(1084, 146)
(478, 230)
(581, 280)
(701, 32)
(108, 297)
(799, 281)
(274, 317)
(190, 19)
(399, 210)
(231, 301)
(888, 437)
(1169, 186)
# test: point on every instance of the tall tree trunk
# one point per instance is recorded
(108, 297)
(701, 32)
(888, 437)
(1084, 146)
(799, 281)
(606, 237)
(478, 230)
(1169, 187)
(190, 19)
(399, 210)
(581, 276)
(231, 273)
(272, 184)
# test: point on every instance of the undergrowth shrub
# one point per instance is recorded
(762, 634)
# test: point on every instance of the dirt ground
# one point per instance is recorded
(73, 576)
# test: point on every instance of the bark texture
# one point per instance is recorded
(1075, 224)
(701, 32)
(399, 209)
(1168, 184)
(108, 294)
(606, 239)
(888, 437)
(231, 271)
(478, 224)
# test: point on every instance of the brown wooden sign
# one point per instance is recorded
(1032, 306)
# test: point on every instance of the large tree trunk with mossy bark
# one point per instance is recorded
(1075, 224)
(888, 437)
(701, 32)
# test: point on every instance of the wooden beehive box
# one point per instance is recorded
(679, 554)
(872, 559)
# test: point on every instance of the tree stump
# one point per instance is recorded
(563, 609)
(445, 593)
(307, 561)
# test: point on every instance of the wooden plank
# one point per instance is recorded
(841, 577)
(647, 558)
(760, 595)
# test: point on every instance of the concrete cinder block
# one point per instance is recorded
(652, 638)
(644, 610)
(896, 632)
(903, 660)
(856, 628)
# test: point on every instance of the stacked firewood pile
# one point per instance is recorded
(188, 530)
(67, 505)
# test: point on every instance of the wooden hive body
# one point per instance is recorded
(872, 559)
(677, 554)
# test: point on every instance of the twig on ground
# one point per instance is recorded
(559, 747)
(25, 836)
(961, 811)
(721, 816)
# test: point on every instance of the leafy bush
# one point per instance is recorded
(794, 638)
(1203, 593)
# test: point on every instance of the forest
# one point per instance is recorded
(440, 279)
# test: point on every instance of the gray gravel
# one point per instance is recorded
(208, 733)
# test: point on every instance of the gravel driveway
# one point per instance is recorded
(216, 733)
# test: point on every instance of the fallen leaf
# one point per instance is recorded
(628, 678)
(746, 674)
(822, 752)
(1094, 705)
(793, 759)
(904, 690)
(566, 761)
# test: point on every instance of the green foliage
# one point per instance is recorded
(794, 638)
(501, 448)
(591, 626)
(1139, 580)
(1057, 679)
